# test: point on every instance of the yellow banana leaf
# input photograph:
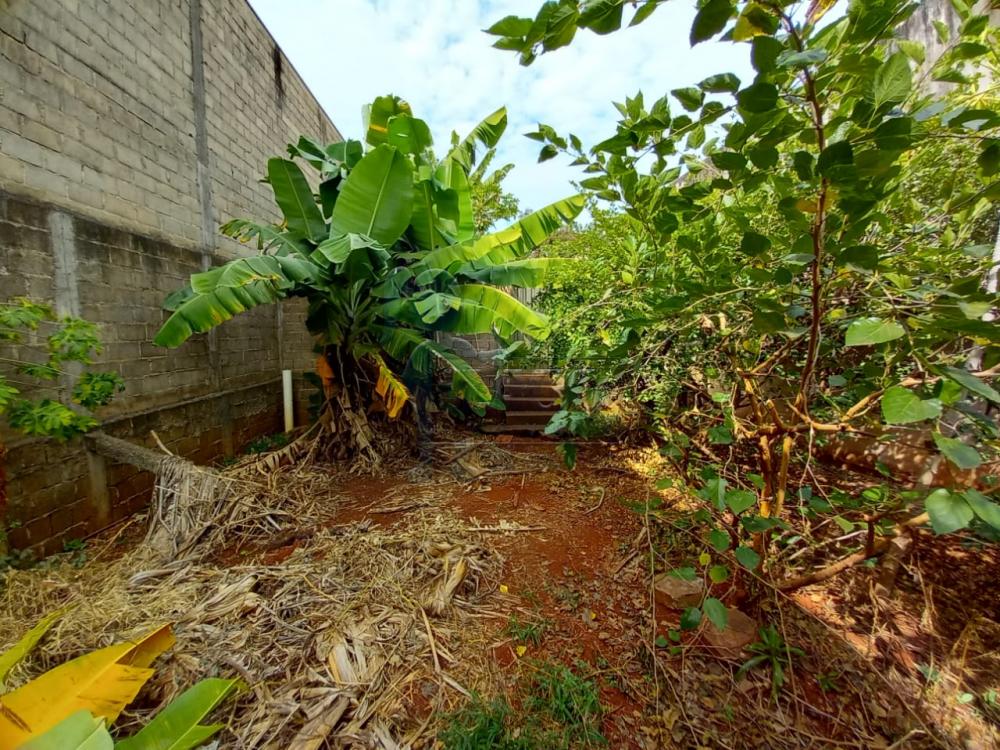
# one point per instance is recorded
(102, 682)
(13, 656)
(391, 389)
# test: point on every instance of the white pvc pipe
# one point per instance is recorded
(286, 393)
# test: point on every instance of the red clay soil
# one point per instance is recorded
(560, 570)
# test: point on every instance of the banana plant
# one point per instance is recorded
(382, 244)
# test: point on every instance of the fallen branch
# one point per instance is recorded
(599, 503)
(878, 547)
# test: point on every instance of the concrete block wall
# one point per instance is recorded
(129, 130)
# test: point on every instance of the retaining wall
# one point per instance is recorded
(129, 130)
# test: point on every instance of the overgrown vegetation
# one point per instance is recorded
(795, 261)
(386, 253)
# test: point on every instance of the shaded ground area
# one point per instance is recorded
(546, 634)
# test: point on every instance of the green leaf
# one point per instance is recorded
(689, 97)
(721, 83)
(739, 500)
(729, 160)
(220, 293)
(409, 134)
(719, 540)
(834, 157)
(178, 726)
(295, 199)
(758, 97)
(338, 249)
(685, 574)
(16, 653)
(716, 612)
(720, 435)
(718, 573)
(893, 80)
(764, 52)
(948, 512)
(377, 116)
(987, 510)
(971, 383)
(803, 59)
(962, 455)
(601, 16)
(466, 382)
(869, 331)
(690, 618)
(863, 257)
(487, 132)
(643, 12)
(78, 731)
(746, 557)
(511, 26)
(376, 199)
(530, 273)
(902, 406)
(754, 244)
(711, 19)
(914, 50)
(484, 308)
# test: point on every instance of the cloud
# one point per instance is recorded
(434, 54)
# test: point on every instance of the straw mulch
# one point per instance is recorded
(360, 638)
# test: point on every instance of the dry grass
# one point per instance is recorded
(336, 643)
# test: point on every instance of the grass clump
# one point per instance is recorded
(561, 710)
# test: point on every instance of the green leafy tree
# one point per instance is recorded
(491, 204)
(52, 354)
(387, 255)
(812, 281)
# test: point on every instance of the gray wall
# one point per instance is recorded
(129, 130)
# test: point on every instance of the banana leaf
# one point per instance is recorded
(13, 656)
(529, 273)
(487, 132)
(465, 380)
(102, 682)
(511, 243)
(221, 293)
(178, 726)
(78, 731)
(483, 309)
(394, 394)
(295, 199)
(376, 199)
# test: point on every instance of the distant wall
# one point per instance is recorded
(129, 131)
(920, 27)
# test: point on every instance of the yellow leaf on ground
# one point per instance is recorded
(102, 682)
(504, 589)
(521, 650)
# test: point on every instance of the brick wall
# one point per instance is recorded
(129, 130)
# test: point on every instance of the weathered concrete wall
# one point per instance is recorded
(920, 27)
(129, 131)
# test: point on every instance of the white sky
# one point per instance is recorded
(434, 54)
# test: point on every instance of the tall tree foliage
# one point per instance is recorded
(491, 204)
(386, 253)
(782, 280)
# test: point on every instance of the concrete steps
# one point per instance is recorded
(531, 397)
